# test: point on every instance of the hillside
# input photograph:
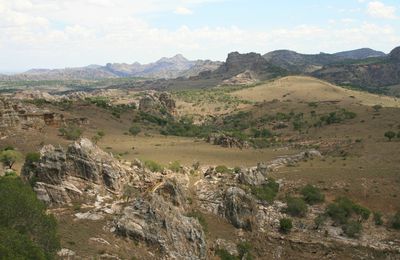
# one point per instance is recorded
(308, 89)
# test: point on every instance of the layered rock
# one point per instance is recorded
(16, 115)
(245, 78)
(63, 176)
(159, 220)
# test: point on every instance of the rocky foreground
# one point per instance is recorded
(155, 208)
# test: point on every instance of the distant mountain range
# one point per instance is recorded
(364, 68)
(177, 66)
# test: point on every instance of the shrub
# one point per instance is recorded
(134, 130)
(312, 195)
(296, 207)
(378, 218)
(70, 132)
(285, 225)
(390, 135)
(153, 166)
(352, 229)
(319, 220)
(222, 169)
(244, 249)
(377, 107)
(26, 228)
(175, 166)
(343, 208)
(225, 255)
(32, 157)
(266, 192)
(396, 221)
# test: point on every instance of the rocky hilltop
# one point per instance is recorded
(370, 73)
(161, 209)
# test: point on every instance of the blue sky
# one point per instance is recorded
(68, 33)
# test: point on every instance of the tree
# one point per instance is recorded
(296, 207)
(26, 230)
(390, 135)
(312, 195)
(9, 157)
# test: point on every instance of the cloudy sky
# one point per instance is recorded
(67, 33)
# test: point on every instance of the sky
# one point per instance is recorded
(73, 33)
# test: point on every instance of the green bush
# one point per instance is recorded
(222, 169)
(396, 221)
(312, 195)
(285, 225)
(319, 221)
(352, 229)
(153, 166)
(175, 166)
(296, 207)
(32, 157)
(244, 250)
(135, 130)
(378, 218)
(266, 192)
(25, 227)
(70, 132)
(343, 208)
(225, 255)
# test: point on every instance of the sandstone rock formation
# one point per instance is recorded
(157, 104)
(17, 115)
(63, 176)
(245, 78)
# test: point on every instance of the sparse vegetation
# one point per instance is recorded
(352, 229)
(223, 169)
(378, 219)
(9, 157)
(244, 249)
(175, 166)
(153, 166)
(200, 217)
(266, 192)
(71, 132)
(395, 221)
(135, 130)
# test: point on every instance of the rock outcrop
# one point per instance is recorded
(159, 220)
(61, 176)
(227, 141)
(238, 208)
(245, 78)
(16, 115)
(158, 104)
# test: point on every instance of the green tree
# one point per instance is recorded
(296, 207)
(9, 157)
(23, 218)
(390, 135)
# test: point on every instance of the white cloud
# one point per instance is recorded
(183, 11)
(380, 10)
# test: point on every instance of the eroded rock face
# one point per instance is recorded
(16, 115)
(160, 221)
(238, 208)
(154, 103)
(62, 176)
(245, 78)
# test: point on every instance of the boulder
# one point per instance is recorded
(227, 141)
(156, 103)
